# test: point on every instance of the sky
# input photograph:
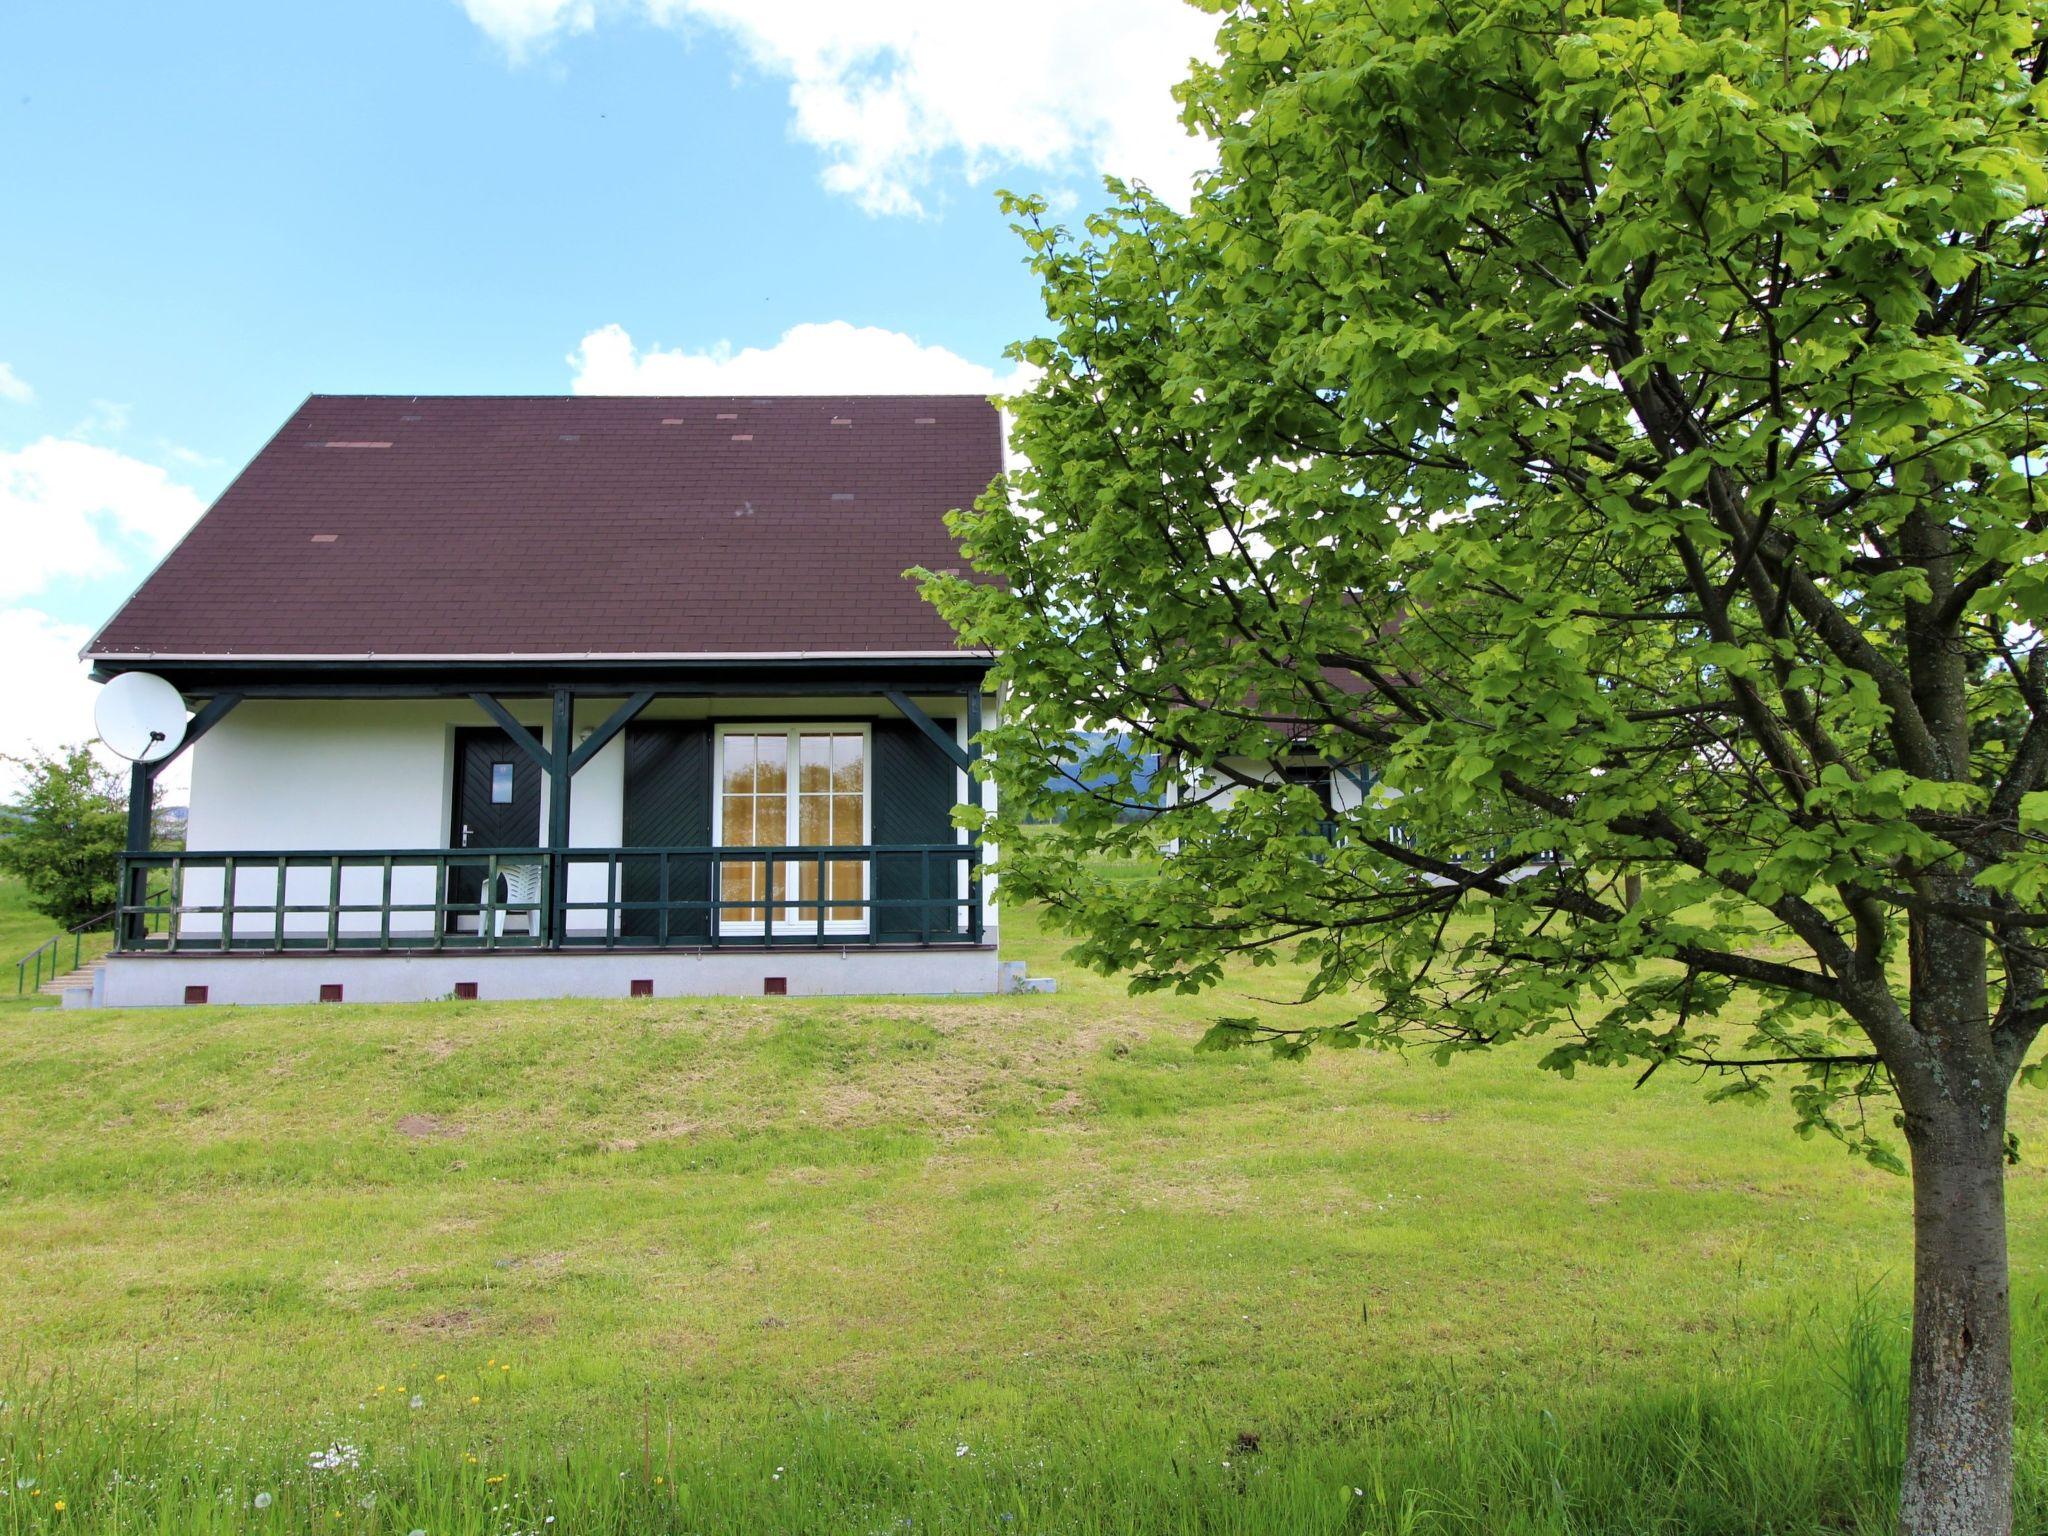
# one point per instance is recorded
(209, 210)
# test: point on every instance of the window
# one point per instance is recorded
(761, 804)
(1314, 777)
(501, 783)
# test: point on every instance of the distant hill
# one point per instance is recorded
(1082, 770)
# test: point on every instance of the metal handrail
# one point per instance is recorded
(51, 946)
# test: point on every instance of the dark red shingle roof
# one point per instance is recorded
(567, 525)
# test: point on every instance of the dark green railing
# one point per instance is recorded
(29, 969)
(419, 900)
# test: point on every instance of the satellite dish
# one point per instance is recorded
(141, 717)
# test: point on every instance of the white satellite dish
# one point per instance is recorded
(141, 717)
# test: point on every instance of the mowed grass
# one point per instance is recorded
(1019, 1264)
(23, 930)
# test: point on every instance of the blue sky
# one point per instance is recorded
(214, 209)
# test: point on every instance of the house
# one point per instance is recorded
(514, 697)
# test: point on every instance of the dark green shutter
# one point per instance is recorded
(913, 790)
(668, 805)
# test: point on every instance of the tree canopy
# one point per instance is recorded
(65, 839)
(1616, 428)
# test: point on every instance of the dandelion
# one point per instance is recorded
(58, 1506)
(474, 1401)
(658, 1481)
(368, 1501)
(504, 1367)
(442, 1377)
(494, 1481)
(263, 1501)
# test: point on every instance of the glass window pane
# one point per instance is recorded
(814, 763)
(738, 882)
(849, 768)
(772, 777)
(846, 885)
(845, 819)
(739, 764)
(813, 820)
(501, 783)
(737, 830)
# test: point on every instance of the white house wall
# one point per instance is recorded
(1344, 791)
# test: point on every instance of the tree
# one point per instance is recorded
(1618, 426)
(65, 843)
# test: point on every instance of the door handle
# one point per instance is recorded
(465, 834)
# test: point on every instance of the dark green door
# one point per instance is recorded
(914, 789)
(668, 805)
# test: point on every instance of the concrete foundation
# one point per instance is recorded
(160, 981)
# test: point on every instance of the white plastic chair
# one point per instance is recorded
(522, 890)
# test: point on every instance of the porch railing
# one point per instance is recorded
(434, 899)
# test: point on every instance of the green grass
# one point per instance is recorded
(633, 1258)
(22, 929)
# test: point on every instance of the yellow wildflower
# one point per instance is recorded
(58, 1506)
(474, 1401)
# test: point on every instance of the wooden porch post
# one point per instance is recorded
(561, 773)
(974, 799)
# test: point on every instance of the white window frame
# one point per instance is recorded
(799, 920)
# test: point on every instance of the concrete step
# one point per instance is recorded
(79, 980)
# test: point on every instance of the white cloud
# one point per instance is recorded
(50, 698)
(893, 91)
(818, 359)
(13, 387)
(73, 509)
(520, 26)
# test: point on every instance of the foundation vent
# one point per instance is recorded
(775, 986)
(330, 991)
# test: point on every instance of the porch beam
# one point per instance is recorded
(521, 736)
(142, 776)
(1364, 780)
(938, 733)
(601, 737)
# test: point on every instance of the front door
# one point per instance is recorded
(496, 805)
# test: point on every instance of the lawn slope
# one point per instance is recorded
(982, 1264)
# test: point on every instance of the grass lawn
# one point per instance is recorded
(1020, 1264)
(22, 929)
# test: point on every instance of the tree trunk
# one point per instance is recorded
(1958, 1479)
